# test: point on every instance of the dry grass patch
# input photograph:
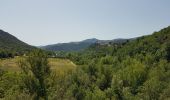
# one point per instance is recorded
(59, 65)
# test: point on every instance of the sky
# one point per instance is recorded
(42, 22)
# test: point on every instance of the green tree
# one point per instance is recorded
(36, 70)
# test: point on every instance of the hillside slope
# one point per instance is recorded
(135, 70)
(10, 43)
(156, 45)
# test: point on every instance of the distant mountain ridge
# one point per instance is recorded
(10, 43)
(77, 46)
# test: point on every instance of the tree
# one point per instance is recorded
(36, 70)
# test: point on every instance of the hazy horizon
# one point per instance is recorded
(59, 21)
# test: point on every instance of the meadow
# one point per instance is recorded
(56, 64)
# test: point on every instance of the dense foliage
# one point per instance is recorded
(36, 71)
(135, 70)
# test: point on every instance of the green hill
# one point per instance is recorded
(155, 45)
(10, 44)
(135, 70)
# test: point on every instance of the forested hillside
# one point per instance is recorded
(134, 70)
(10, 45)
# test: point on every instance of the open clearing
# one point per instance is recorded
(59, 65)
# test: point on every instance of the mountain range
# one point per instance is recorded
(11, 43)
(77, 46)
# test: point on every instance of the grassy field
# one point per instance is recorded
(59, 65)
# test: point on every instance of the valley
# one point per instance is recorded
(120, 69)
(85, 50)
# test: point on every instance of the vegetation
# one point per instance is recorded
(133, 70)
(10, 46)
(34, 76)
(36, 71)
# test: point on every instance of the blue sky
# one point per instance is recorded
(41, 22)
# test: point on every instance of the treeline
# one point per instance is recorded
(5, 54)
(12, 53)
